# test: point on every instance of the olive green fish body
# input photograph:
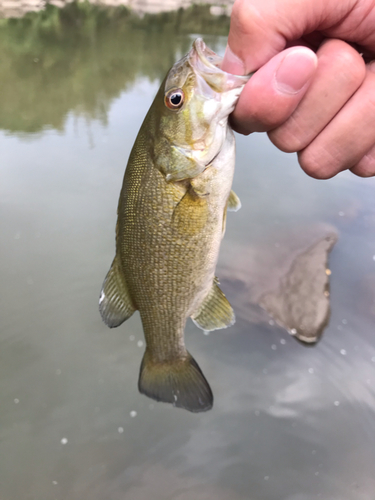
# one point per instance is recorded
(169, 229)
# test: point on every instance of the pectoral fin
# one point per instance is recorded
(215, 311)
(115, 304)
(234, 203)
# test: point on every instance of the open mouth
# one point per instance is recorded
(207, 56)
(206, 62)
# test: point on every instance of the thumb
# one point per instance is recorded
(274, 91)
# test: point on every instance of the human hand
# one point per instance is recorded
(317, 96)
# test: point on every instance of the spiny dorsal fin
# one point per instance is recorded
(179, 382)
(234, 203)
(115, 304)
(215, 311)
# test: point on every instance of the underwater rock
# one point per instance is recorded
(284, 276)
(301, 301)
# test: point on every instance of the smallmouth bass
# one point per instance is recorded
(171, 220)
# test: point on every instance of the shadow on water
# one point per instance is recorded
(78, 59)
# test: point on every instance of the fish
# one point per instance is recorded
(171, 220)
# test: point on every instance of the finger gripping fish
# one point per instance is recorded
(171, 220)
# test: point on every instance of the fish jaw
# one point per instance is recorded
(207, 63)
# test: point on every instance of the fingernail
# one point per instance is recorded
(232, 63)
(295, 71)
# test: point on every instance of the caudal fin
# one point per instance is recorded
(179, 382)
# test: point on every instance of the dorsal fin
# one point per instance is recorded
(115, 303)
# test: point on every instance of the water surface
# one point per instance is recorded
(289, 422)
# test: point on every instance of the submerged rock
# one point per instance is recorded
(285, 276)
(301, 302)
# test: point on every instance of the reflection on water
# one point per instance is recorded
(80, 58)
(288, 423)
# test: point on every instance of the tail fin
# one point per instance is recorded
(180, 382)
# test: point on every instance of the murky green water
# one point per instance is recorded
(289, 422)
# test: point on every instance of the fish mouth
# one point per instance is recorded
(208, 64)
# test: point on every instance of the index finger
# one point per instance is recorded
(261, 28)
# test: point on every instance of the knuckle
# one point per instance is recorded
(353, 65)
(288, 137)
(242, 16)
(313, 164)
(349, 63)
(366, 166)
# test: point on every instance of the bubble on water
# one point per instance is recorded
(266, 478)
(292, 331)
(16, 401)
(271, 322)
(313, 452)
(120, 430)
(257, 413)
(344, 321)
(282, 341)
(54, 482)
(206, 332)
(341, 214)
(140, 343)
(337, 403)
(311, 371)
(339, 327)
(273, 347)
(58, 371)
(133, 413)
(131, 337)
(317, 473)
(343, 352)
(373, 257)
(373, 359)
(64, 441)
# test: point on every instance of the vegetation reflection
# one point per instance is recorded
(78, 59)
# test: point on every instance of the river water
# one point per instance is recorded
(289, 422)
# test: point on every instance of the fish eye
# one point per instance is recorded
(174, 99)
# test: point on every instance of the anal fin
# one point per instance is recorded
(115, 304)
(234, 203)
(215, 311)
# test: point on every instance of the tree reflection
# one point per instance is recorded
(78, 59)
